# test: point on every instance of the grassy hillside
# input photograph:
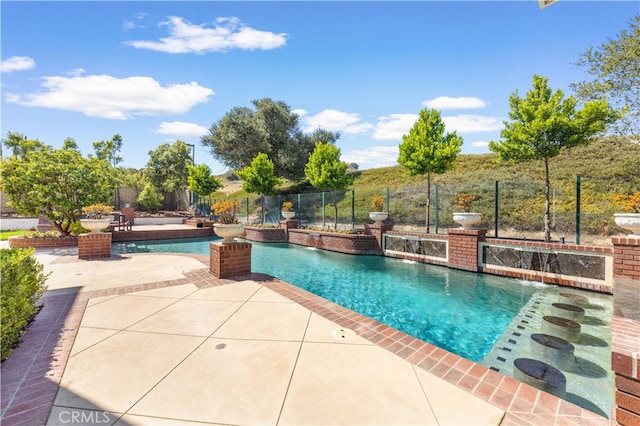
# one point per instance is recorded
(606, 167)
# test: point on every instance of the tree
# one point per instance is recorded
(427, 149)
(259, 178)
(543, 124)
(70, 143)
(20, 146)
(270, 128)
(168, 167)
(616, 67)
(108, 150)
(57, 184)
(149, 199)
(202, 182)
(326, 172)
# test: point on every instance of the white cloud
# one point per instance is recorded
(479, 144)
(300, 112)
(393, 126)
(463, 102)
(226, 34)
(17, 63)
(337, 121)
(115, 98)
(464, 123)
(375, 156)
(180, 128)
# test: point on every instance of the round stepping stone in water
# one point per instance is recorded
(553, 350)
(561, 327)
(574, 299)
(567, 311)
(540, 375)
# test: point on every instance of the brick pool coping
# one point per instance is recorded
(32, 373)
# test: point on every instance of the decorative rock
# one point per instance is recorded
(540, 375)
(574, 299)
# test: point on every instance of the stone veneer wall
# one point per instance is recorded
(229, 259)
(625, 329)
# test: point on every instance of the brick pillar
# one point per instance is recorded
(288, 224)
(229, 259)
(94, 245)
(626, 257)
(625, 329)
(377, 230)
(463, 248)
(128, 214)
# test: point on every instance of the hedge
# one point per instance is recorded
(22, 284)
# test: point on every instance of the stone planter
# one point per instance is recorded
(95, 225)
(288, 214)
(378, 217)
(629, 221)
(467, 220)
(228, 231)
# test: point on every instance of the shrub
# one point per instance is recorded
(629, 203)
(149, 199)
(226, 211)
(96, 211)
(377, 203)
(464, 200)
(22, 285)
(287, 206)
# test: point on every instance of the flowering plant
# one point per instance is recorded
(464, 200)
(377, 203)
(96, 211)
(226, 211)
(287, 206)
(629, 203)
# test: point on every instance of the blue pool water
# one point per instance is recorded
(462, 312)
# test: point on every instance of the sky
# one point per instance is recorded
(157, 72)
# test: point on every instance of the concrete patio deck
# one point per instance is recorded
(155, 339)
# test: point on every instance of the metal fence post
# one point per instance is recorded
(495, 212)
(353, 209)
(437, 218)
(577, 209)
(247, 210)
(323, 208)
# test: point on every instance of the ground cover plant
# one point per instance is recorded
(23, 282)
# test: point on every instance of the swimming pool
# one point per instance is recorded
(484, 318)
(459, 311)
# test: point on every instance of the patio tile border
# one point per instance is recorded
(32, 373)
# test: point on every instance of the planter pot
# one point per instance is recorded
(95, 225)
(378, 217)
(467, 220)
(228, 231)
(629, 221)
(288, 215)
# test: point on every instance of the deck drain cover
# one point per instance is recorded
(221, 345)
(342, 333)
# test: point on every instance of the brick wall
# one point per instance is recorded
(229, 259)
(377, 230)
(94, 245)
(463, 248)
(335, 241)
(159, 234)
(625, 329)
(43, 242)
(265, 235)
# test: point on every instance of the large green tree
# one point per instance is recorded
(615, 66)
(259, 178)
(202, 182)
(168, 167)
(57, 184)
(109, 150)
(271, 128)
(544, 123)
(326, 172)
(427, 149)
